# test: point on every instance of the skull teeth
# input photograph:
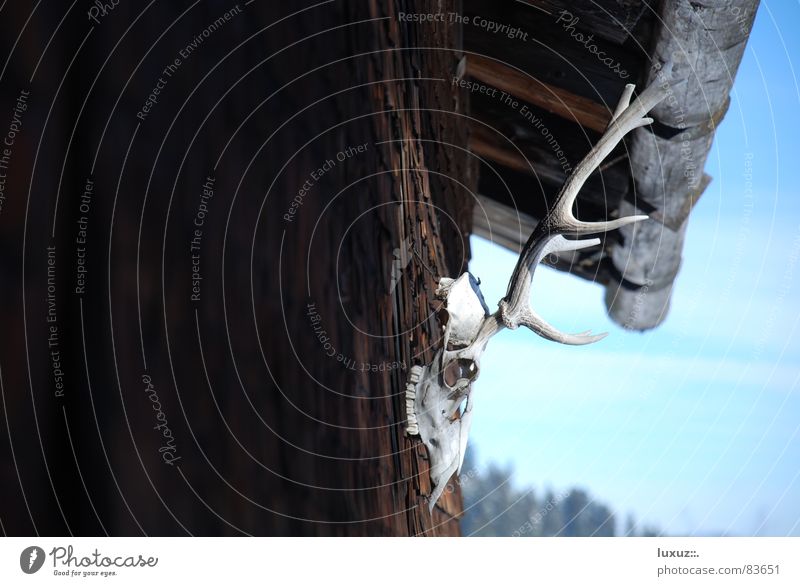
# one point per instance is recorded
(412, 427)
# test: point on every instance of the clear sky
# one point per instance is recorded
(693, 427)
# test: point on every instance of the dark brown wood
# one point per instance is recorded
(552, 54)
(486, 143)
(502, 225)
(275, 435)
(551, 98)
(611, 20)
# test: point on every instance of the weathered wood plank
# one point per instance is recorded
(275, 435)
(511, 228)
(485, 143)
(501, 224)
(554, 99)
(611, 20)
(553, 52)
(704, 41)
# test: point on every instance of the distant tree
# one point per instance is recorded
(494, 506)
(630, 526)
(650, 531)
(575, 518)
(552, 519)
(600, 520)
(631, 529)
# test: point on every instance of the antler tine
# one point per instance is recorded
(626, 117)
(624, 102)
(531, 320)
(548, 237)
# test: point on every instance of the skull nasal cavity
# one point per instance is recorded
(462, 368)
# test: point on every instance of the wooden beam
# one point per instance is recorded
(552, 54)
(484, 143)
(556, 100)
(612, 20)
(510, 228)
(604, 189)
(705, 41)
(501, 224)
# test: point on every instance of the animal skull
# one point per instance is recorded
(438, 400)
(438, 395)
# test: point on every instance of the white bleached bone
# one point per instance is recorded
(438, 395)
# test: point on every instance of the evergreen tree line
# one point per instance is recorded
(494, 507)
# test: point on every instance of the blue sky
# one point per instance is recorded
(695, 426)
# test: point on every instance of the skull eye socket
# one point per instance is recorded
(444, 317)
(461, 369)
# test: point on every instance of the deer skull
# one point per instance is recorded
(438, 401)
(438, 395)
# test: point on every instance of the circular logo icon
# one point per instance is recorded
(31, 559)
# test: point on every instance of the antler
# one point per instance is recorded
(548, 236)
(435, 392)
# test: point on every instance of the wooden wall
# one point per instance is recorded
(273, 435)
